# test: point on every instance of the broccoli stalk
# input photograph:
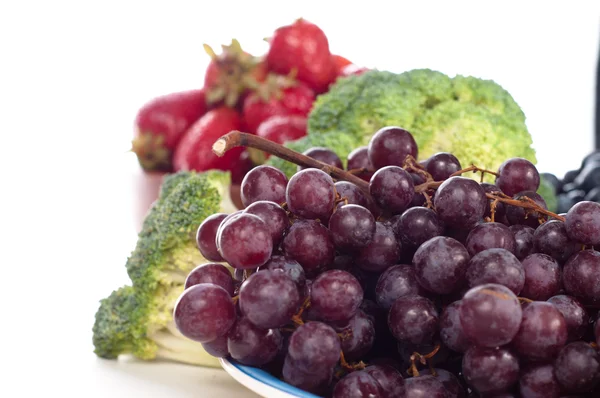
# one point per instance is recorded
(138, 319)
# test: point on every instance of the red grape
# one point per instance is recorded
(245, 242)
(311, 194)
(206, 236)
(264, 183)
(516, 175)
(413, 319)
(390, 146)
(253, 346)
(211, 273)
(490, 370)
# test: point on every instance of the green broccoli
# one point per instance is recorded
(138, 319)
(475, 119)
(130, 321)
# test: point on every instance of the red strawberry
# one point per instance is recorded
(231, 74)
(352, 69)
(194, 152)
(339, 63)
(276, 97)
(161, 123)
(283, 128)
(303, 47)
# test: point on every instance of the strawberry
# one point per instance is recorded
(339, 63)
(194, 151)
(278, 96)
(161, 123)
(231, 74)
(352, 69)
(303, 47)
(283, 128)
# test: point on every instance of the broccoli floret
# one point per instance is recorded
(132, 322)
(475, 119)
(138, 319)
(166, 249)
(546, 191)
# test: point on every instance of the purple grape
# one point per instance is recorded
(211, 273)
(335, 295)
(206, 234)
(382, 252)
(450, 382)
(427, 386)
(577, 367)
(417, 225)
(389, 379)
(490, 315)
(274, 216)
(353, 194)
(314, 347)
(390, 146)
(359, 159)
(217, 348)
(490, 235)
(460, 202)
(496, 266)
(324, 155)
(440, 265)
(551, 238)
(523, 240)
(289, 266)
(204, 312)
(315, 383)
(490, 370)
(395, 282)
(263, 183)
(451, 330)
(442, 165)
(574, 313)
(269, 299)
(517, 175)
(310, 244)
(518, 215)
(245, 242)
(543, 332)
(392, 188)
(358, 337)
(311, 194)
(357, 384)
(500, 207)
(539, 382)
(542, 277)
(583, 223)
(253, 346)
(413, 319)
(581, 275)
(352, 227)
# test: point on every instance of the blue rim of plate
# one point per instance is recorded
(270, 380)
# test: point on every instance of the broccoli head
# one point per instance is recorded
(475, 119)
(133, 322)
(166, 249)
(138, 319)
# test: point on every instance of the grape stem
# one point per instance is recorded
(423, 359)
(349, 366)
(297, 318)
(237, 138)
(525, 300)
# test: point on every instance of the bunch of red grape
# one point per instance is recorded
(418, 282)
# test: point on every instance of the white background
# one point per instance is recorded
(73, 74)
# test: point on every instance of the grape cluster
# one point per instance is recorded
(418, 282)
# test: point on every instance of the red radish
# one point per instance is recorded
(231, 74)
(160, 125)
(302, 47)
(194, 152)
(276, 99)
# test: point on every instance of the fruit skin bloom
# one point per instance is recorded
(583, 223)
